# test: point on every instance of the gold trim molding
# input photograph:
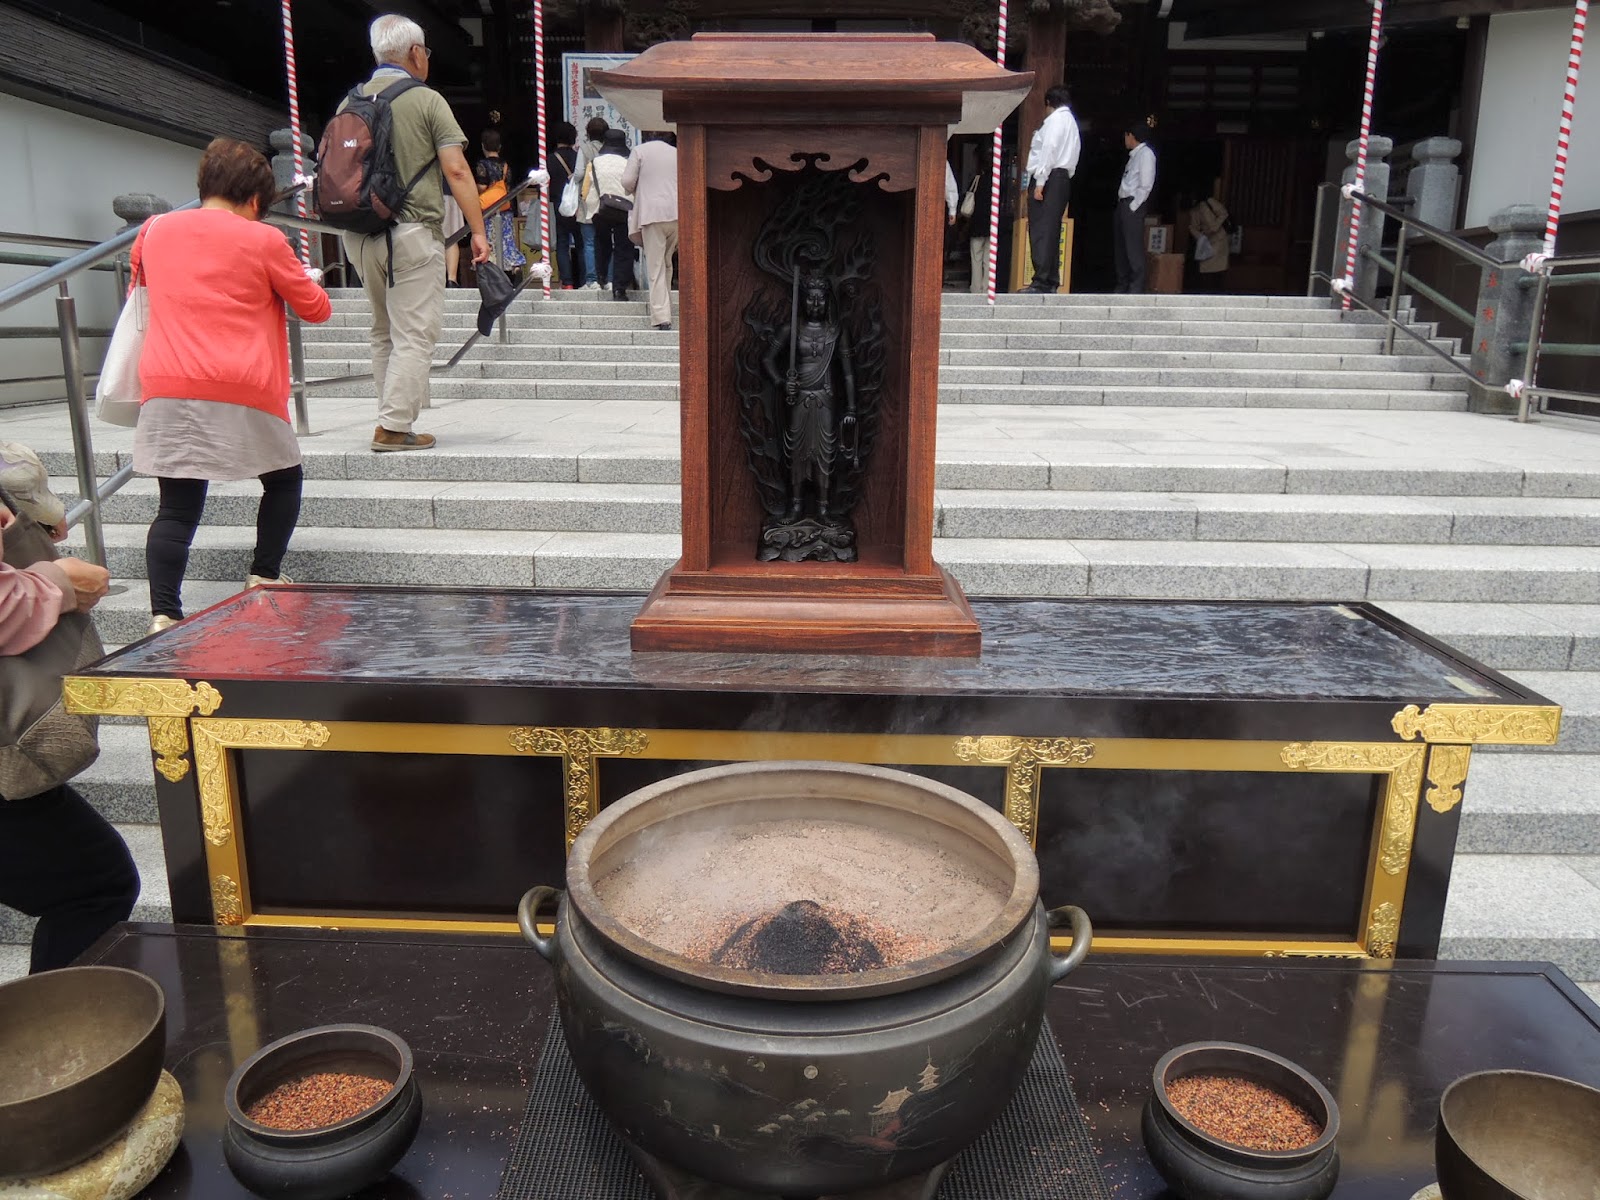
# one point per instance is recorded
(1403, 765)
(227, 904)
(215, 736)
(1383, 930)
(169, 739)
(1022, 758)
(1447, 771)
(578, 749)
(107, 697)
(1480, 724)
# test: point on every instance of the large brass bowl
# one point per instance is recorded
(80, 1053)
(1518, 1135)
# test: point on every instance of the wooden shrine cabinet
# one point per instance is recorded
(810, 164)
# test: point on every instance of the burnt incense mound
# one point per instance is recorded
(801, 895)
(801, 938)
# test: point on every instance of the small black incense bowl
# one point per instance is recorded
(1198, 1166)
(333, 1160)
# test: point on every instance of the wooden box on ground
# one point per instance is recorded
(1165, 274)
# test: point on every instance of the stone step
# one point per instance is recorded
(1525, 908)
(456, 325)
(1532, 804)
(1243, 341)
(324, 357)
(985, 566)
(468, 297)
(654, 508)
(1512, 637)
(1017, 375)
(1400, 398)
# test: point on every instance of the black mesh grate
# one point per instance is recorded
(1039, 1148)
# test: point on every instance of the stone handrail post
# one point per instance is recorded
(1505, 308)
(1370, 236)
(1434, 183)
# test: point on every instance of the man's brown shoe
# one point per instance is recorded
(386, 439)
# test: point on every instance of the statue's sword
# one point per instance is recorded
(794, 330)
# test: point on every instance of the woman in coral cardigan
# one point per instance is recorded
(214, 375)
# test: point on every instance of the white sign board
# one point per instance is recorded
(583, 101)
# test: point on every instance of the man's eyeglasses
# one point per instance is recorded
(426, 53)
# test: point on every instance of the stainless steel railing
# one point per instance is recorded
(109, 255)
(1525, 390)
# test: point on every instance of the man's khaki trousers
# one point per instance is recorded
(405, 317)
(660, 244)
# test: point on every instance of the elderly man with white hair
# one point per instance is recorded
(408, 301)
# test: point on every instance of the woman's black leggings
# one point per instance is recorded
(166, 548)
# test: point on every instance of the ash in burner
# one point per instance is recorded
(801, 938)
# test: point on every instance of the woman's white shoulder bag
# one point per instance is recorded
(117, 394)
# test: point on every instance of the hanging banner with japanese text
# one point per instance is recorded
(583, 101)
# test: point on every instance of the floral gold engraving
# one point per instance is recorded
(1447, 771)
(1403, 765)
(214, 737)
(1480, 724)
(138, 697)
(578, 749)
(1022, 758)
(1383, 930)
(227, 905)
(169, 739)
(1339, 954)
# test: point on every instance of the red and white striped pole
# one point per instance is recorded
(994, 168)
(1569, 96)
(1347, 284)
(294, 127)
(539, 121)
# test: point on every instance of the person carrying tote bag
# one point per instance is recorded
(117, 392)
(60, 860)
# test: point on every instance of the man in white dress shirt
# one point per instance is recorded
(1052, 162)
(1133, 200)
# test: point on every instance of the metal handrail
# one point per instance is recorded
(1449, 241)
(39, 239)
(1526, 389)
(92, 492)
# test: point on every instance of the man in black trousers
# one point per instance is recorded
(1052, 162)
(1133, 201)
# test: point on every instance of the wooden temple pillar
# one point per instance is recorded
(603, 24)
(1046, 58)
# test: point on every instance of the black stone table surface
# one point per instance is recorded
(1386, 1040)
(1071, 647)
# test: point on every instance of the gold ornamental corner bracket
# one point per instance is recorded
(169, 739)
(1383, 931)
(1480, 724)
(227, 904)
(214, 737)
(1403, 766)
(93, 696)
(1022, 758)
(1447, 771)
(578, 749)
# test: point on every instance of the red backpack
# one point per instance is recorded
(358, 185)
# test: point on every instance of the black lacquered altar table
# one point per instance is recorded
(1202, 777)
(1385, 1038)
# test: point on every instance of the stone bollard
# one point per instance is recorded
(1505, 308)
(135, 208)
(1371, 234)
(283, 176)
(1435, 182)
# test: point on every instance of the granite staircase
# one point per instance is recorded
(1211, 447)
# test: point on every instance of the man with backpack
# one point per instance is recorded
(383, 164)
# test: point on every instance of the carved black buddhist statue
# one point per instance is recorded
(810, 372)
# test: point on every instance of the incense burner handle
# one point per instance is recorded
(527, 920)
(1082, 935)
